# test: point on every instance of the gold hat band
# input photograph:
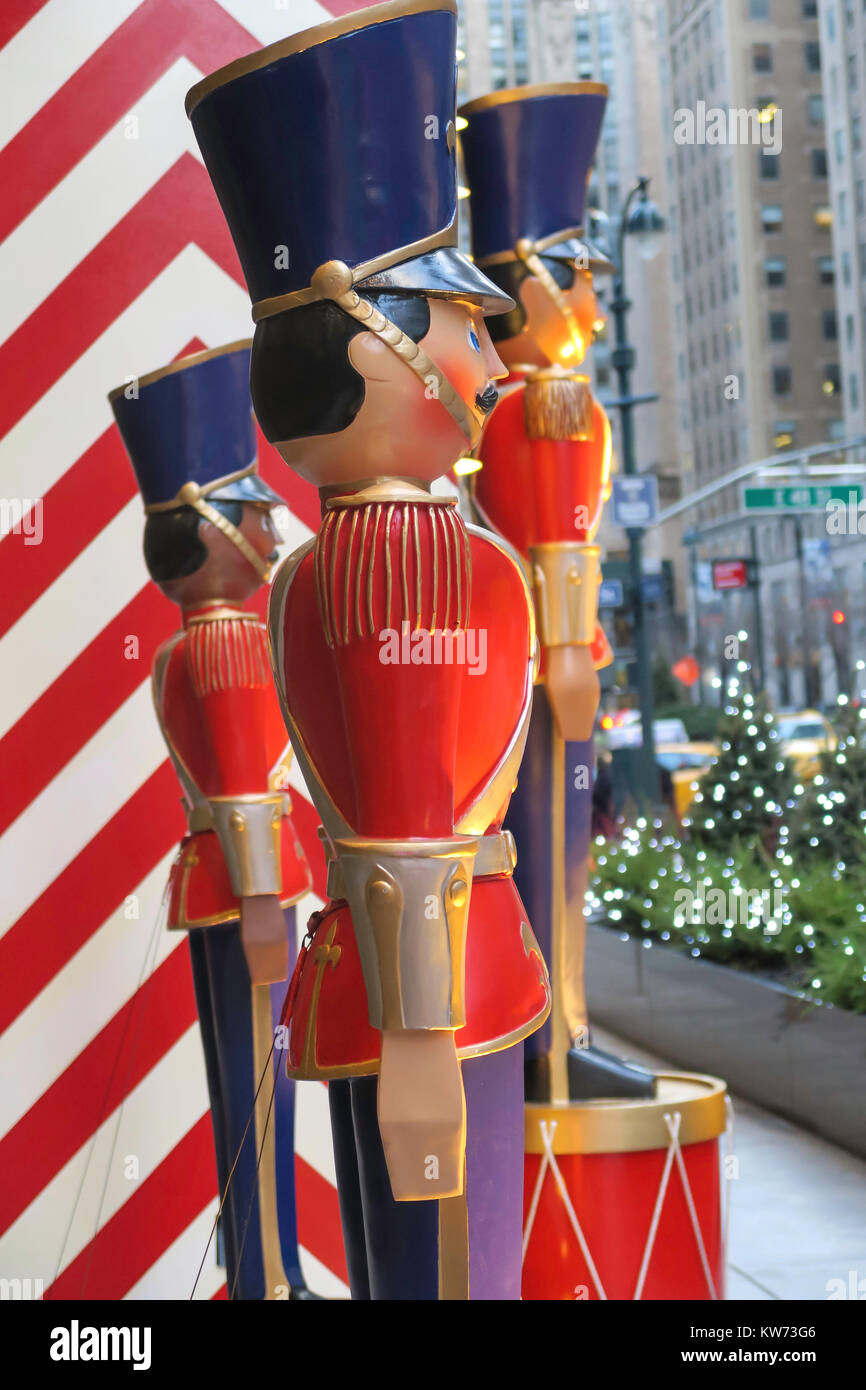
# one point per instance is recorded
(540, 246)
(277, 304)
(193, 495)
(202, 489)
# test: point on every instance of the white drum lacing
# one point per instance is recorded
(673, 1156)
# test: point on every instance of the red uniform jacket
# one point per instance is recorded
(220, 718)
(536, 490)
(402, 746)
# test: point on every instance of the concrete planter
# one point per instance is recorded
(803, 1061)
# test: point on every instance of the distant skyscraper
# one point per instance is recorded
(843, 48)
(510, 42)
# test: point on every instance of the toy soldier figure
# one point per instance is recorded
(209, 545)
(546, 456)
(403, 641)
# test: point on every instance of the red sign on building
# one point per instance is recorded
(730, 574)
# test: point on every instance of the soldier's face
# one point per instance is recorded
(227, 573)
(460, 345)
(403, 429)
(548, 336)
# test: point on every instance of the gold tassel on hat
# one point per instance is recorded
(558, 405)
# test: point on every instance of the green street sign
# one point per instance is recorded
(802, 497)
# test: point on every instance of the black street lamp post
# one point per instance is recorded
(642, 220)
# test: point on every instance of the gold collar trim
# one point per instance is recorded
(214, 615)
(386, 490)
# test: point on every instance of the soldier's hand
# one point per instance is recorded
(571, 681)
(265, 939)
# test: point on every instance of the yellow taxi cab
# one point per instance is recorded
(804, 736)
(687, 764)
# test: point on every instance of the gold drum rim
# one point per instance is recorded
(633, 1125)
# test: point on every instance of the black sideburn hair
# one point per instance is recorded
(173, 548)
(301, 379)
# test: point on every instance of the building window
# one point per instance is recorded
(781, 381)
(839, 145)
(778, 324)
(769, 165)
(852, 72)
(849, 330)
(810, 9)
(783, 434)
(819, 164)
(771, 217)
(759, 9)
(857, 133)
(774, 272)
(762, 57)
(860, 197)
(815, 107)
(831, 381)
(812, 53)
(826, 270)
(823, 218)
(853, 392)
(829, 326)
(846, 267)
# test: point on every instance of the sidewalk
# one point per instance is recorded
(798, 1219)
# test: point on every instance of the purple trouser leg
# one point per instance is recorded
(494, 1172)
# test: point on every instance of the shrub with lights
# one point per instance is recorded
(761, 880)
(749, 791)
(830, 816)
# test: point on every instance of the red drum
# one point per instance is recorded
(623, 1198)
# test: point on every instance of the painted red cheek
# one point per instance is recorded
(465, 371)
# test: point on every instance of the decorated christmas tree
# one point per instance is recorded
(830, 816)
(748, 792)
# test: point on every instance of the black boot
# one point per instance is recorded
(595, 1075)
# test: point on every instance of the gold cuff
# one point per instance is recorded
(565, 580)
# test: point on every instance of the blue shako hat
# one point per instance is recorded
(527, 154)
(192, 421)
(339, 144)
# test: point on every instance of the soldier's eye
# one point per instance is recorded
(474, 342)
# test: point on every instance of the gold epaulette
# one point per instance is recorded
(227, 653)
(557, 404)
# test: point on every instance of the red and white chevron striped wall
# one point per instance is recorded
(114, 258)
